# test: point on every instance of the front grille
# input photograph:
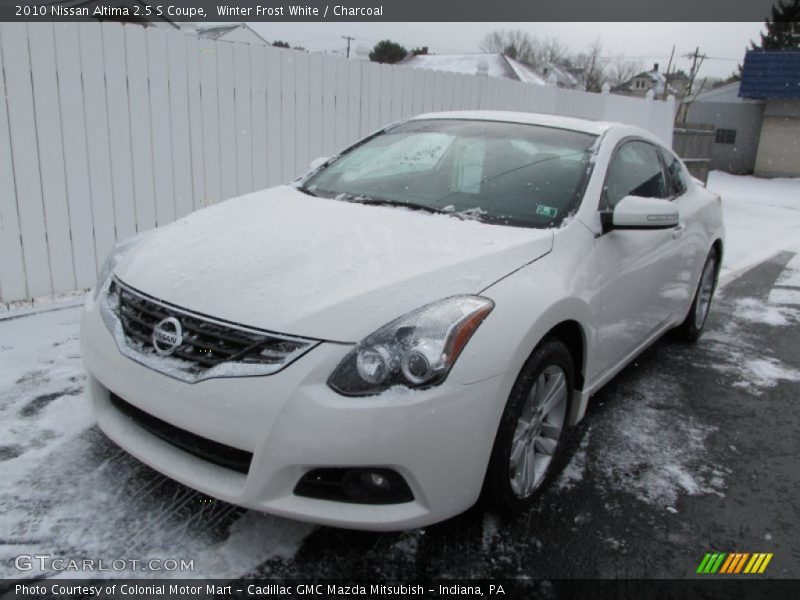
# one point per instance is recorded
(219, 454)
(206, 347)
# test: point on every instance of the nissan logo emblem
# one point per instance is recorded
(167, 336)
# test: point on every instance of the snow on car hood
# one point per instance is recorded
(280, 260)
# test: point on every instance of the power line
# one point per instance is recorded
(665, 57)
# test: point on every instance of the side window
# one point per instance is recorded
(635, 170)
(676, 174)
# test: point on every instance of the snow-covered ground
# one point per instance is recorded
(69, 491)
(762, 217)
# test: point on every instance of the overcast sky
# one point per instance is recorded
(724, 43)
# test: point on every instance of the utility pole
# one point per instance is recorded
(697, 61)
(349, 39)
(668, 76)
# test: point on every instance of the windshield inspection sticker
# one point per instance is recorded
(546, 211)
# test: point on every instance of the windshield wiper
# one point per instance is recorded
(368, 200)
(307, 191)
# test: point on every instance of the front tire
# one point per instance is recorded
(692, 327)
(531, 431)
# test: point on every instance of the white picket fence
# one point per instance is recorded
(109, 129)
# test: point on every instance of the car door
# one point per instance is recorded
(689, 238)
(635, 269)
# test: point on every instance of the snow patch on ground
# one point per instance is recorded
(791, 275)
(767, 372)
(746, 364)
(743, 365)
(62, 299)
(755, 311)
(408, 543)
(490, 531)
(785, 296)
(575, 470)
(615, 544)
(252, 539)
(652, 449)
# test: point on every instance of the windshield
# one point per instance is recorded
(506, 173)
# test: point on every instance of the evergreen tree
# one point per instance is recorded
(387, 51)
(783, 28)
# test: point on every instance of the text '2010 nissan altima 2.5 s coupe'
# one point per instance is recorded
(410, 327)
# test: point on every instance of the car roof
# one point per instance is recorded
(571, 123)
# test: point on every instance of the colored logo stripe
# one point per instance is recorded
(711, 562)
(734, 562)
(758, 563)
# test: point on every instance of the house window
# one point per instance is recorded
(725, 136)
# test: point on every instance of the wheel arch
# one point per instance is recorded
(572, 334)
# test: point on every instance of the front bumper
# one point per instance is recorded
(438, 439)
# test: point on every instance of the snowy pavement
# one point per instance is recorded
(689, 449)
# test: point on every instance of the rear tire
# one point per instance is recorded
(532, 430)
(692, 327)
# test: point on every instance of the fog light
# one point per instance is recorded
(366, 485)
(375, 482)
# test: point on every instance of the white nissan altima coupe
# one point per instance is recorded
(410, 327)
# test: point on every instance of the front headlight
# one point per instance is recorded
(116, 254)
(416, 351)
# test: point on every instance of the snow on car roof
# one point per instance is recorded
(574, 124)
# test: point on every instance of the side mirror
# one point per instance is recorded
(634, 212)
(317, 163)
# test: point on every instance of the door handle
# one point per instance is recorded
(678, 231)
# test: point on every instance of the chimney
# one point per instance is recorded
(655, 68)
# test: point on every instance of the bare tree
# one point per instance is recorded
(621, 69)
(522, 46)
(550, 50)
(515, 43)
(592, 65)
(493, 42)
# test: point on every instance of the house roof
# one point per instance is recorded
(563, 76)
(498, 65)
(216, 31)
(524, 72)
(771, 74)
(657, 78)
(728, 93)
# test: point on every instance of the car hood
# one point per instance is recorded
(281, 260)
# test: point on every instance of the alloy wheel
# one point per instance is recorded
(538, 431)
